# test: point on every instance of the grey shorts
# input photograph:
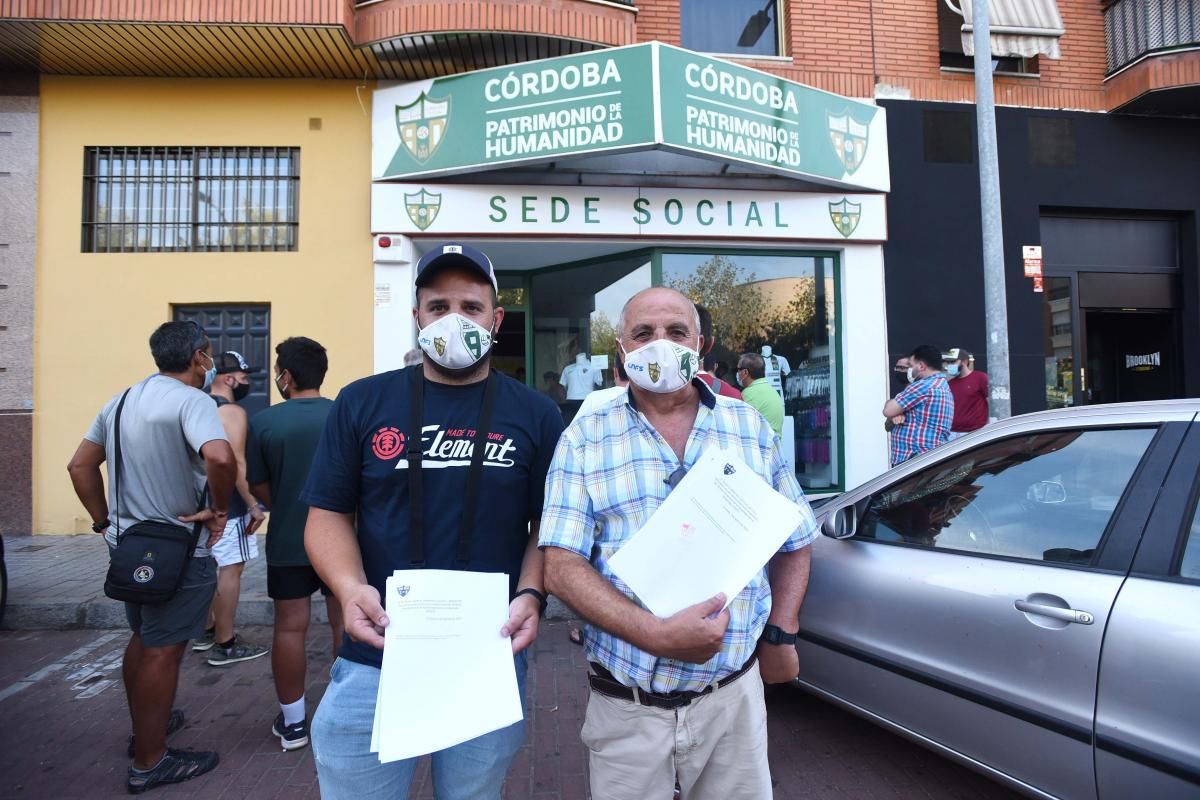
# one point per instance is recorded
(183, 616)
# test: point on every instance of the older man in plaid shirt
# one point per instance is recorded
(925, 407)
(681, 698)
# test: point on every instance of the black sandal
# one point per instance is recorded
(176, 766)
(174, 723)
(576, 636)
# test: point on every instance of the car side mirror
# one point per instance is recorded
(1049, 492)
(841, 523)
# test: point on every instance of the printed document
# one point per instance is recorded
(717, 528)
(448, 675)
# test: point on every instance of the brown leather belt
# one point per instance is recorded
(603, 682)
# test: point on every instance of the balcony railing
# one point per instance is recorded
(1133, 28)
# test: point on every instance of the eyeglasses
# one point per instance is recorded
(675, 477)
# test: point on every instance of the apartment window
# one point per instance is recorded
(951, 53)
(190, 199)
(737, 27)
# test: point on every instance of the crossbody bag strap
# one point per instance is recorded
(117, 470)
(414, 452)
(475, 473)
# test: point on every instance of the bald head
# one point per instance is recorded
(658, 313)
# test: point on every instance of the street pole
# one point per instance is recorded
(995, 301)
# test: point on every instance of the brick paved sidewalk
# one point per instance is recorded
(65, 723)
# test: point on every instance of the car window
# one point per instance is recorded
(1189, 567)
(1044, 496)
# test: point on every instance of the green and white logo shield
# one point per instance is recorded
(477, 343)
(422, 207)
(422, 125)
(849, 139)
(845, 216)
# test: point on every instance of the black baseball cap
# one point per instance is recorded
(452, 254)
(232, 361)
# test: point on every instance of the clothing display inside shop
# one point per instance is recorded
(808, 400)
(580, 378)
(777, 367)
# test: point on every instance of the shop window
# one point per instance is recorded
(187, 199)
(782, 307)
(738, 27)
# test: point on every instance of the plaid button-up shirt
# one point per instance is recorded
(609, 475)
(928, 411)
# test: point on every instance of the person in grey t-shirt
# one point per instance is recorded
(172, 444)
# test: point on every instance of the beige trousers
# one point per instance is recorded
(716, 747)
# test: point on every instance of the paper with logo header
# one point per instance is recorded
(713, 533)
(448, 675)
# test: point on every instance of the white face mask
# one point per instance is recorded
(661, 366)
(455, 342)
(911, 376)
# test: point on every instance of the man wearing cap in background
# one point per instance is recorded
(239, 544)
(483, 518)
(970, 389)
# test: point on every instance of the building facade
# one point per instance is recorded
(274, 169)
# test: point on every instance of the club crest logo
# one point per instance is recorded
(143, 574)
(845, 216)
(687, 366)
(439, 344)
(475, 342)
(729, 469)
(849, 139)
(422, 207)
(403, 590)
(387, 443)
(655, 371)
(422, 125)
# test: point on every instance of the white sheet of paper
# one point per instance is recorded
(448, 675)
(713, 533)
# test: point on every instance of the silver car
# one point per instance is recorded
(1026, 601)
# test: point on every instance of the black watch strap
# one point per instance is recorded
(541, 598)
(773, 634)
(101, 526)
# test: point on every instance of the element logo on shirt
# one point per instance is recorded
(452, 447)
(387, 443)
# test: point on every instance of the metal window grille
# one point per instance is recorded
(1133, 28)
(190, 199)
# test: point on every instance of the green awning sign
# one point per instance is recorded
(640, 97)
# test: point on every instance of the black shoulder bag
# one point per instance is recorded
(149, 561)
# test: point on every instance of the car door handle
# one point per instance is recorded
(1054, 612)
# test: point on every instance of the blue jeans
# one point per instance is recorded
(347, 770)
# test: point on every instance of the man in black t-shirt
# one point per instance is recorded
(359, 517)
(283, 440)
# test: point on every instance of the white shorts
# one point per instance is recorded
(235, 546)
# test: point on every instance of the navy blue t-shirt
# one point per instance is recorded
(360, 468)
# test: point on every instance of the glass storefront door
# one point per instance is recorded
(1097, 351)
(574, 324)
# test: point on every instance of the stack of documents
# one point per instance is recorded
(712, 534)
(448, 674)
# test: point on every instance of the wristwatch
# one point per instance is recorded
(773, 634)
(101, 526)
(541, 598)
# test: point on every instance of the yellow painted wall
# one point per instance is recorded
(95, 312)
